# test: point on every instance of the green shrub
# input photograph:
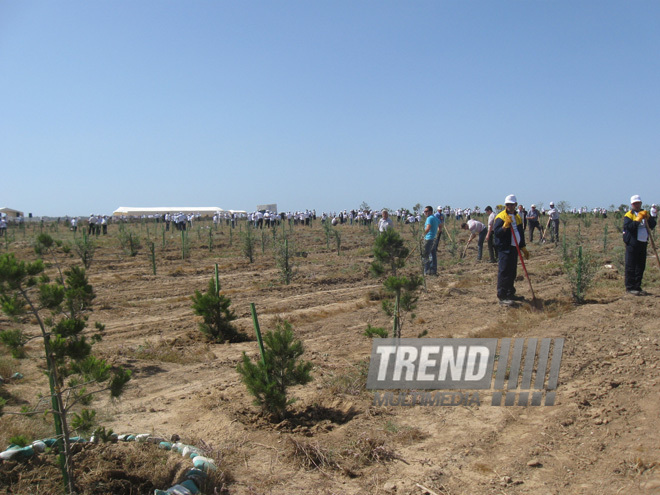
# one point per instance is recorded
(20, 440)
(103, 435)
(284, 250)
(84, 422)
(217, 317)
(375, 332)
(389, 253)
(15, 340)
(130, 242)
(281, 367)
(85, 249)
(580, 267)
(60, 309)
(248, 242)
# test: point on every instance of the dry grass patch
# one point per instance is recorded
(34, 427)
(519, 320)
(162, 351)
(350, 458)
(367, 450)
(470, 280)
(352, 381)
(312, 455)
(375, 295)
(405, 435)
(8, 366)
(482, 468)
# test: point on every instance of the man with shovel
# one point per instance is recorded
(636, 237)
(508, 237)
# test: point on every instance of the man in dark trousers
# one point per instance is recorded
(507, 224)
(636, 235)
(533, 221)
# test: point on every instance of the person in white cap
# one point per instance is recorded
(553, 217)
(636, 236)
(533, 222)
(507, 225)
(654, 210)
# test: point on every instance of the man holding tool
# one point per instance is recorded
(508, 237)
(636, 237)
(476, 228)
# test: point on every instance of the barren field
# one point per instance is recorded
(601, 436)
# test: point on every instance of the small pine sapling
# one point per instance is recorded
(390, 256)
(60, 310)
(248, 242)
(281, 367)
(213, 307)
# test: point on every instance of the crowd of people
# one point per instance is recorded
(504, 232)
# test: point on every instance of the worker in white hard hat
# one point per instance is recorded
(507, 225)
(553, 218)
(636, 223)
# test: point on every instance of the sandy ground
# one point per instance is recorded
(601, 436)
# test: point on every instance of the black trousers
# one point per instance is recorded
(506, 273)
(534, 224)
(491, 249)
(635, 265)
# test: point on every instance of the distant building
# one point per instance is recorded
(11, 213)
(272, 208)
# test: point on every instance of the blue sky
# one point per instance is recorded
(326, 104)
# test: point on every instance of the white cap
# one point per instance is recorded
(510, 199)
(533, 206)
(635, 199)
(552, 203)
(439, 207)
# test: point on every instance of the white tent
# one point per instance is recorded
(11, 213)
(137, 211)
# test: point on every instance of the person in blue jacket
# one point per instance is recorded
(507, 224)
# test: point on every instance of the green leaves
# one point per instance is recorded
(13, 305)
(390, 253)
(217, 317)
(15, 340)
(92, 369)
(51, 296)
(15, 275)
(79, 293)
(119, 379)
(281, 368)
(84, 422)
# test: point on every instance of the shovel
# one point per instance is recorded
(535, 303)
(653, 246)
(466, 246)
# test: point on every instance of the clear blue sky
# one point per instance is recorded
(328, 103)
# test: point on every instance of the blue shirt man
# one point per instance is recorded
(430, 231)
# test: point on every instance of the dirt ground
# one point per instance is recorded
(601, 436)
